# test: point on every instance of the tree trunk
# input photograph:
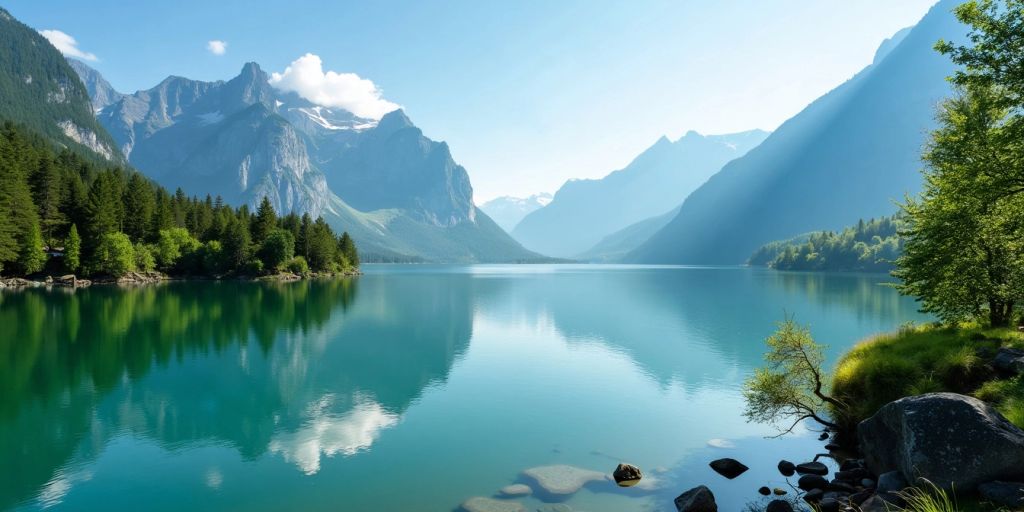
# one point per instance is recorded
(997, 315)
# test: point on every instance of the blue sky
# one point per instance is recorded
(527, 93)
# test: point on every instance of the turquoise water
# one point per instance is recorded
(409, 388)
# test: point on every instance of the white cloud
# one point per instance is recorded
(67, 45)
(217, 47)
(306, 77)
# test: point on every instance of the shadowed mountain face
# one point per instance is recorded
(40, 90)
(850, 154)
(399, 194)
(585, 211)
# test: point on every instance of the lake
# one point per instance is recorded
(409, 388)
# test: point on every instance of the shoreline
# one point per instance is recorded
(73, 282)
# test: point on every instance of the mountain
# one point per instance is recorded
(507, 211)
(99, 89)
(40, 90)
(617, 245)
(585, 211)
(400, 194)
(850, 154)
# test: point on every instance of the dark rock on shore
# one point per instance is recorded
(729, 468)
(1007, 494)
(812, 468)
(952, 440)
(1009, 361)
(811, 482)
(627, 475)
(698, 499)
(779, 506)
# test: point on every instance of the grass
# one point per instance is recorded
(925, 359)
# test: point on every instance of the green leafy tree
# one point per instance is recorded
(144, 259)
(115, 254)
(174, 244)
(264, 222)
(791, 388)
(963, 257)
(277, 248)
(73, 250)
(297, 265)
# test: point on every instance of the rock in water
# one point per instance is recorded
(729, 468)
(787, 468)
(516, 490)
(952, 440)
(812, 468)
(779, 506)
(764, 491)
(562, 479)
(627, 475)
(810, 482)
(481, 504)
(1007, 494)
(698, 499)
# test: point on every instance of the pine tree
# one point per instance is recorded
(348, 249)
(73, 250)
(45, 182)
(31, 257)
(264, 222)
(139, 205)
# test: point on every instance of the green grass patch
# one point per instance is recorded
(926, 359)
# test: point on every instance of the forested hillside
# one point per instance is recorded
(871, 246)
(62, 213)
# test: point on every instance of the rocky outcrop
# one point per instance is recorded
(952, 440)
(1009, 361)
(698, 499)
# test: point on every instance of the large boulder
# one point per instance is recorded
(698, 499)
(952, 440)
(1007, 494)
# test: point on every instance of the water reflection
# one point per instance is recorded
(286, 395)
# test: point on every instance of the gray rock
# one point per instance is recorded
(556, 507)
(952, 440)
(698, 499)
(481, 504)
(779, 506)
(891, 482)
(562, 479)
(516, 490)
(1007, 494)
(729, 468)
(812, 468)
(1009, 360)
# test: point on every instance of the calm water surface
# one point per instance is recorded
(409, 388)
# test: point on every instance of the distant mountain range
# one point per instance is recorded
(583, 212)
(400, 194)
(507, 211)
(851, 154)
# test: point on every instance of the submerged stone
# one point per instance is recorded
(481, 504)
(516, 490)
(562, 478)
